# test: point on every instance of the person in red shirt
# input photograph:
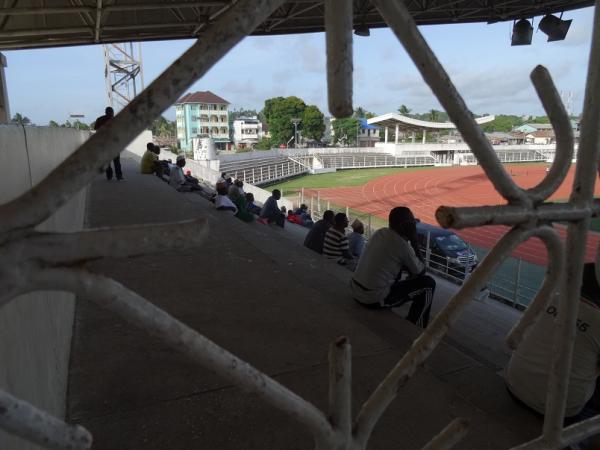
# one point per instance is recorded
(294, 218)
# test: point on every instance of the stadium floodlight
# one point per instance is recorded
(554, 27)
(362, 30)
(522, 33)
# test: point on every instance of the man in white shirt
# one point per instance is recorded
(529, 366)
(378, 282)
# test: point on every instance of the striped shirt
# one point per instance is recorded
(335, 244)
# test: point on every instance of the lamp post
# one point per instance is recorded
(296, 121)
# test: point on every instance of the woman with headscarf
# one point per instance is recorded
(390, 271)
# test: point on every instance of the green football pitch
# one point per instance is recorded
(351, 177)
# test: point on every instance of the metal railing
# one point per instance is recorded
(31, 261)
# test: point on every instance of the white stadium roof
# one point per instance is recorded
(406, 123)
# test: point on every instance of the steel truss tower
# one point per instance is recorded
(123, 73)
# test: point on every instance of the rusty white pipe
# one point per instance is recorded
(422, 347)
(577, 231)
(338, 33)
(476, 216)
(116, 298)
(451, 435)
(81, 167)
(559, 118)
(571, 435)
(28, 422)
(119, 242)
(340, 389)
(550, 287)
(397, 16)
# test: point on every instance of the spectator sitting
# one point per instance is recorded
(228, 182)
(240, 185)
(377, 281)
(271, 212)
(315, 237)
(530, 364)
(239, 201)
(178, 180)
(253, 208)
(149, 162)
(291, 217)
(222, 201)
(336, 246)
(356, 239)
(162, 166)
(302, 211)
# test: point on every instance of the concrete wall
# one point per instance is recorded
(35, 329)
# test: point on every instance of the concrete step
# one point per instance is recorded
(278, 306)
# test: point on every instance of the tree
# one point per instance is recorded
(80, 125)
(313, 125)
(263, 144)
(21, 120)
(502, 123)
(404, 110)
(433, 115)
(163, 127)
(278, 113)
(345, 130)
(67, 124)
(53, 124)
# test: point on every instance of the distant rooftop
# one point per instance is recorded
(201, 97)
(66, 22)
(406, 123)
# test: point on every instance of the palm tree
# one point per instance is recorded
(53, 124)
(359, 112)
(20, 119)
(433, 115)
(404, 110)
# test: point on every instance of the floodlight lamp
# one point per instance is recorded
(522, 33)
(554, 27)
(362, 30)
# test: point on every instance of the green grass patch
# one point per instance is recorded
(352, 177)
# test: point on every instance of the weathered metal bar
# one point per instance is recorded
(550, 287)
(79, 169)
(451, 435)
(559, 118)
(422, 347)
(571, 435)
(340, 388)
(338, 32)
(120, 242)
(577, 231)
(25, 420)
(24, 11)
(397, 16)
(476, 216)
(114, 297)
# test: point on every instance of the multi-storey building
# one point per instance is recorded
(202, 114)
(247, 131)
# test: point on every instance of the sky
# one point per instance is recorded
(492, 76)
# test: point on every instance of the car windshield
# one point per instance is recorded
(451, 242)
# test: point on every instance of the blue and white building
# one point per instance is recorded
(199, 115)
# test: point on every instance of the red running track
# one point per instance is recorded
(423, 191)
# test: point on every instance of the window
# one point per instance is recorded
(194, 130)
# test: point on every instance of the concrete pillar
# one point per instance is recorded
(414, 137)
(4, 109)
(386, 135)
(396, 136)
(424, 135)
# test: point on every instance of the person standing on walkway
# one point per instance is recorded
(109, 113)
(378, 281)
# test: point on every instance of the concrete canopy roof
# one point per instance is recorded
(405, 123)
(26, 24)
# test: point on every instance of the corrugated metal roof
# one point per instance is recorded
(26, 24)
